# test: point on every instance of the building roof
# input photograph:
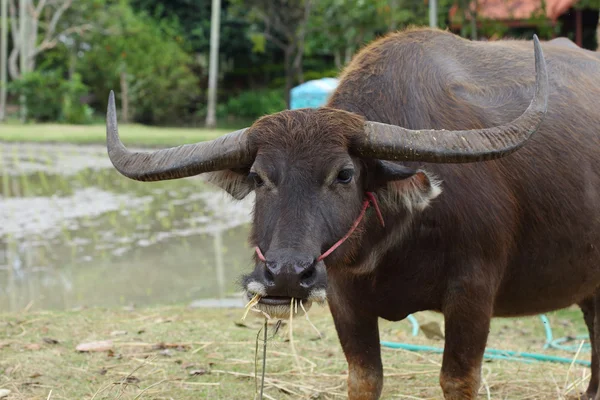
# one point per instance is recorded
(511, 10)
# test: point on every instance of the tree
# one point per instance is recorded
(341, 27)
(144, 56)
(285, 24)
(3, 56)
(25, 35)
(193, 18)
(469, 8)
(214, 64)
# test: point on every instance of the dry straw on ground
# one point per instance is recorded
(178, 353)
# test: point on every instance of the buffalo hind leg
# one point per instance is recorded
(359, 337)
(588, 307)
(467, 316)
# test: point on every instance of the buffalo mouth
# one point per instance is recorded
(282, 307)
(280, 301)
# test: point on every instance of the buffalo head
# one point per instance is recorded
(313, 172)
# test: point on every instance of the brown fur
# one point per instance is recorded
(512, 237)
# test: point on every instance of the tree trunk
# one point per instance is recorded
(24, 29)
(213, 69)
(337, 58)
(299, 43)
(73, 59)
(393, 23)
(32, 34)
(464, 7)
(433, 9)
(474, 21)
(289, 76)
(23, 52)
(348, 54)
(473, 26)
(13, 68)
(598, 34)
(299, 74)
(298, 70)
(3, 55)
(124, 97)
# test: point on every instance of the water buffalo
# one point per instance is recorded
(443, 174)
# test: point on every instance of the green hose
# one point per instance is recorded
(509, 355)
(557, 343)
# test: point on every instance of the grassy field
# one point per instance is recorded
(179, 353)
(138, 135)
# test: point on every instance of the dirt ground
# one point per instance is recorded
(180, 353)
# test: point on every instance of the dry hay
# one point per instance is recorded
(190, 354)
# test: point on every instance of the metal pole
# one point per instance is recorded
(213, 63)
(433, 13)
(3, 56)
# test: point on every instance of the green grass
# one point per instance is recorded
(132, 135)
(177, 353)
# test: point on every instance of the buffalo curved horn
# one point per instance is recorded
(228, 151)
(391, 142)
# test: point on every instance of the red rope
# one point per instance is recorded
(370, 200)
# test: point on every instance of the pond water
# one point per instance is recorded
(76, 233)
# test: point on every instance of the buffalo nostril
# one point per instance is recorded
(309, 276)
(269, 277)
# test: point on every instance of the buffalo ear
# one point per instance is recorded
(234, 182)
(383, 172)
(401, 186)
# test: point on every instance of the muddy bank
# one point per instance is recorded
(74, 232)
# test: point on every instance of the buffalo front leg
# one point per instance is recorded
(588, 308)
(359, 337)
(467, 315)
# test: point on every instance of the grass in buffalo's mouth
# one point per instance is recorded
(180, 353)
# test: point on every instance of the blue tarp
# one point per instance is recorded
(313, 93)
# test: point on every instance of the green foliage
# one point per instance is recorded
(192, 17)
(50, 97)
(590, 4)
(341, 27)
(328, 73)
(150, 54)
(254, 104)
(308, 76)
(73, 110)
(160, 49)
(41, 90)
(259, 42)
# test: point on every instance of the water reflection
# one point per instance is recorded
(73, 232)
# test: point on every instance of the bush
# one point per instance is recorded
(51, 97)
(308, 75)
(254, 104)
(150, 54)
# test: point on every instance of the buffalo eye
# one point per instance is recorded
(345, 176)
(256, 179)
